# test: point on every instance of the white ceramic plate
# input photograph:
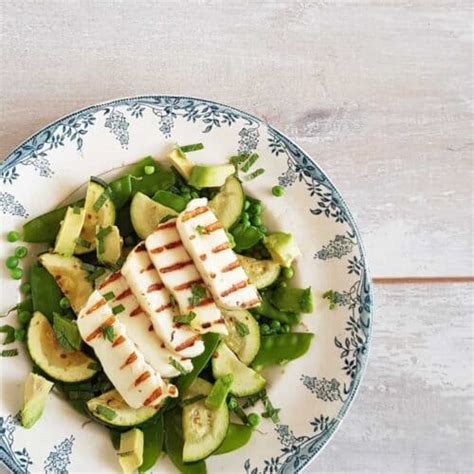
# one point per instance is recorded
(313, 392)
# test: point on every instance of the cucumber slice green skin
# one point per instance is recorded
(228, 203)
(262, 273)
(204, 428)
(146, 214)
(49, 356)
(246, 380)
(126, 417)
(104, 217)
(69, 231)
(244, 347)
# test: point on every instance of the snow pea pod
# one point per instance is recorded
(269, 311)
(174, 444)
(44, 228)
(171, 200)
(236, 437)
(210, 343)
(246, 237)
(149, 184)
(121, 190)
(45, 292)
(152, 445)
(281, 348)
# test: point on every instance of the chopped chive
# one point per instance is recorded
(94, 366)
(237, 159)
(109, 296)
(250, 162)
(178, 366)
(255, 174)
(96, 274)
(118, 309)
(201, 230)
(101, 200)
(67, 333)
(100, 246)
(190, 401)
(185, 318)
(88, 267)
(76, 210)
(104, 232)
(242, 329)
(192, 147)
(83, 243)
(106, 412)
(149, 170)
(198, 292)
(108, 333)
(10, 333)
(9, 353)
(80, 395)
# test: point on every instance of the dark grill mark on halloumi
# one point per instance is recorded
(194, 213)
(231, 266)
(155, 287)
(97, 332)
(167, 225)
(154, 395)
(147, 269)
(188, 343)
(162, 308)
(150, 328)
(96, 306)
(203, 302)
(130, 360)
(250, 304)
(111, 279)
(212, 227)
(118, 341)
(188, 284)
(171, 245)
(124, 294)
(221, 247)
(138, 310)
(140, 248)
(141, 378)
(235, 287)
(203, 257)
(176, 266)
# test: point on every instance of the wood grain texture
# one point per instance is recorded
(414, 412)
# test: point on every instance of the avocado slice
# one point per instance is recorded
(69, 231)
(210, 176)
(108, 244)
(131, 450)
(282, 248)
(181, 163)
(35, 395)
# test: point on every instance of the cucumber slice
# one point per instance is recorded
(246, 381)
(244, 347)
(122, 415)
(262, 273)
(204, 429)
(100, 210)
(69, 231)
(228, 203)
(108, 244)
(146, 214)
(70, 277)
(50, 357)
(210, 176)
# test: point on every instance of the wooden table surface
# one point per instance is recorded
(381, 94)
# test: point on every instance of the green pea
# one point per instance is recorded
(275, 325)
(11, 262)
(256, 220)
(256, 209)
(253, 419)
(13, 236)
(232, 403)
(265, 329)
(246, 205)
(149, 169)
(282, 284)
(288, 273)
(20, 334)
(278, 191)
(21, 252)
(25, 288)
(263, 229)
(245, 217)
(285, 328)
(24, 317)
(64, 303)
(16, 273)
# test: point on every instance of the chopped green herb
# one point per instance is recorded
(20, 334)
(83, 243)
(255, 174)
(104, 232)
(76, 210)
(109, 296)
(108, 333)
(88, 267)
(99, 271)
(106, 412)
(118, 309)
(184, 318)
(190, 401)
(178, 366)
(9, 353)
(331, 296)
(94, 366)
(193, 147)
(67, 333)
(242, 329)
(270, 411)
(201, 230)
(80, 395)
(101, 200)
(250, 162)
(13, 236)
(198, 292)
(9, 333)
(166, 218)
(100, 246)
(237, 159)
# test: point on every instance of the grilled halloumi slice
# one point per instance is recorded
(139, 327)
(154, 298)
(209, 246)
(180, 275)
(135, 380)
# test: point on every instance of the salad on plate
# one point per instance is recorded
(155, 306)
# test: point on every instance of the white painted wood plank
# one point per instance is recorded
(414, 412)
(378, 92)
